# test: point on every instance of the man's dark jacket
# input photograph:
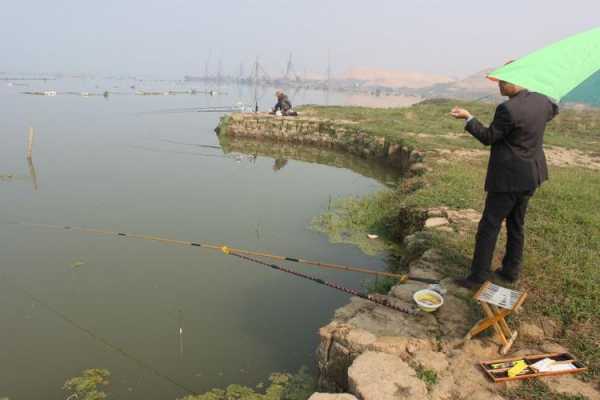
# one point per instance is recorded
(517, 160)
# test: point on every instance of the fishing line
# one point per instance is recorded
(402, 278)
(182, 152)
(141, 363)
(208, 146)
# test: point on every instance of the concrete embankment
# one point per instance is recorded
(333, 134)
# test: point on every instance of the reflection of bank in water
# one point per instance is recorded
(22, 178)
(32, 173)
(282, 152)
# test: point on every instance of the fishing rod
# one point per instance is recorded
(365, 296)
(240, 108)
(242, 254)
(68, 320)
(229, 250)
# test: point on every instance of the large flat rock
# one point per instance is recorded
(381, 376)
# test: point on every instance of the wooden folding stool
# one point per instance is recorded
(497, 303)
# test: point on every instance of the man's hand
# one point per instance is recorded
(460, 113)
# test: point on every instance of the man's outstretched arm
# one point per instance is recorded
(500, 127)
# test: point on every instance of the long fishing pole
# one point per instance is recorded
(366, 296)
(401, 277)
(220, 110)
(101, 339)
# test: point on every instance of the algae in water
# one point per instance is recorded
(282, 386)
(86, 386)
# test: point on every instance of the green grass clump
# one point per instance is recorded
(86, 386)
(353, 218)
(426, 375)
(381, 285)
(383, 213)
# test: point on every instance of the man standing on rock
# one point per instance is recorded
(516, 168)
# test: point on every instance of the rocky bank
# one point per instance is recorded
(376, 353)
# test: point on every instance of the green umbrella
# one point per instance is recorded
(588, 92)
(557, 69)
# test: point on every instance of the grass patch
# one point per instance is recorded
(426, 375)
(571, 128)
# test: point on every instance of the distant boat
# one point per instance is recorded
(50, 93)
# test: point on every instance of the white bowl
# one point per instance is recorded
(428, 300)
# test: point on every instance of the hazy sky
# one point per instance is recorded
(173, 38)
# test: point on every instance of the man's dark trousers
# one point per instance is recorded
(500, 206)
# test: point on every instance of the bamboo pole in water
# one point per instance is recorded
(30, 159)
(30, 144)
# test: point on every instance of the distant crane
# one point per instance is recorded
(290, 71)
(207, 64)
(256, 66)
(241, 75)
(328, 69)
(219, 72)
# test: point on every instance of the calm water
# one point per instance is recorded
(102, 163)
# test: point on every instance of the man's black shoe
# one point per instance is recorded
(505, 277)
(467, 283)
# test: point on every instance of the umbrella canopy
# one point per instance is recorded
(588, 92)
(557, 69)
